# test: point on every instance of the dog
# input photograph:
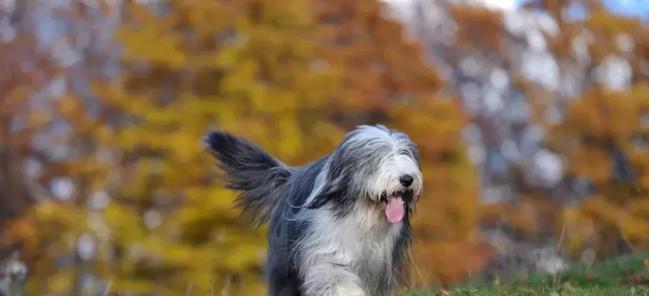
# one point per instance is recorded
(339, 225)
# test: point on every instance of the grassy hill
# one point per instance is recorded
(627, 275)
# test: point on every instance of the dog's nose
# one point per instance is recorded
(406, 180)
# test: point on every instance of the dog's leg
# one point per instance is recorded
(330, 279)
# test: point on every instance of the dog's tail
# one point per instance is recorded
(250, 170)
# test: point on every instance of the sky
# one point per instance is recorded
(636, 8)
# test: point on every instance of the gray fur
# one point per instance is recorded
(328, 233)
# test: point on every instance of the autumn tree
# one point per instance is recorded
(523, 77)
(603, 140)
(25, 115)
(601, 132)
(148, 213)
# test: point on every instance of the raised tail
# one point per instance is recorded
(250, 170)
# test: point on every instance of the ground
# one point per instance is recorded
(627, 275)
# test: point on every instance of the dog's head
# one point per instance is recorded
(377, 165)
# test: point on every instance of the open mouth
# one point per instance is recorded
(395, 204)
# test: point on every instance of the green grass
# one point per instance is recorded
(544, 291)
(627, 275)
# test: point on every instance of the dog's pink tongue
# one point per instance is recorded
(394, 210)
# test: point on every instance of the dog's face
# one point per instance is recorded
(378, 165)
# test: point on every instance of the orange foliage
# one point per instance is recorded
(481, 28)
(292, 76)
(603, 141)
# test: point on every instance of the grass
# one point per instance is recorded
(627, 275)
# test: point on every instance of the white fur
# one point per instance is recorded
(339, 254)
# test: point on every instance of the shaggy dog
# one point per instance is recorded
(339, 225)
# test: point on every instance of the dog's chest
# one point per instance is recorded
(363, 241)
(371, 256)
(369, 238)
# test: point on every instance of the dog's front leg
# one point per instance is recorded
(327, 279)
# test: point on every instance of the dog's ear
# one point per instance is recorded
(336, 188)
(319, 201)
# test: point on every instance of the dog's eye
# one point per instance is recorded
(405, 152)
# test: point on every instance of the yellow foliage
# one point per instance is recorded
(292, 76)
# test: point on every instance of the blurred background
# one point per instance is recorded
(532, 118)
